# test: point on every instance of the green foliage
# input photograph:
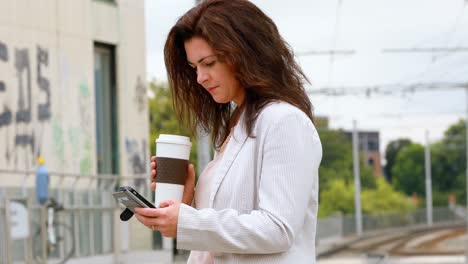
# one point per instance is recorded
(339, 197)
(405, 166)
(440, 199)
(448, 167)
(408, 171)
(448, 160)
(385, 199)
(163, 119)
(337, 181)
(391, 152)
(337, 161)
(368, 180)
(455, 131)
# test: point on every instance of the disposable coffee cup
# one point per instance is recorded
(172, 155)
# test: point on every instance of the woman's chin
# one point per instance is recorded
(221, 100)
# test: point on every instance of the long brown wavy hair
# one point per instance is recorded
(242, 36)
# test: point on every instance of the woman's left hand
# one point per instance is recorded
(164, 219)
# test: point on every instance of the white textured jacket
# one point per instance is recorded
(264, 198)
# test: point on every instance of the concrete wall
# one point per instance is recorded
(47, 102)
(47, 93)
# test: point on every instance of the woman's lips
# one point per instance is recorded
(211, 89)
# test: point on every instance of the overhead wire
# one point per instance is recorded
(445, 36)
(400, 88)
(334, 41)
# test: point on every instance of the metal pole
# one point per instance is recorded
(24, 189)
(427, 165)
(91, 215)
(466, 149)
(4, 236)
(117, 235)
(28, 241)
(9, 246)
(76, 224)
(43, 237)
(357, 180)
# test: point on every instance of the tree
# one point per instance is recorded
(336, 157)
(391, 152)
(337, 161)
(163, 119)
(339, 197)
(448, 166)
(408, 170)
(448, 163)
(385, 199)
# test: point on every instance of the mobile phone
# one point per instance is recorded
(131, 198)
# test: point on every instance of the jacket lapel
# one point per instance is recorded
(238, 138)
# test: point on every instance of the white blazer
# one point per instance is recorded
(264, 198)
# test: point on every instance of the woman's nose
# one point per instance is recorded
(202, 76)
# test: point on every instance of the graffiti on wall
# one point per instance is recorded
(5, 115)
(3, 52)
(43, 109)
(86, 129)
(137, 160)
(58, 146)
(26, 118)
(23, 72)
(23, 146)
(140, 94)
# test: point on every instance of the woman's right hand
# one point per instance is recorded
(189, 188)
(153, 173)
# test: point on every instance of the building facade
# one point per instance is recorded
(72, 90)
(72, 87)
(369, 145)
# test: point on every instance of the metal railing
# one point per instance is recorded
(3, 235)
(339, 226)
(90, 210)
(385, 221)
(92, 213)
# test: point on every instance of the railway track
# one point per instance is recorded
(438, 240)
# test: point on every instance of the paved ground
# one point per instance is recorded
(158, 258)
(441, 241)
(164, 257)
(405, 260)
(135, 257)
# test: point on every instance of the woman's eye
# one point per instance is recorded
(210, 64)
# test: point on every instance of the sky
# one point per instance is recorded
(366, 27)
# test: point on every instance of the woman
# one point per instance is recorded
(232, 74)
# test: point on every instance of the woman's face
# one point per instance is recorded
(215, 76)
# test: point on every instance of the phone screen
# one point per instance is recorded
(131, 198)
